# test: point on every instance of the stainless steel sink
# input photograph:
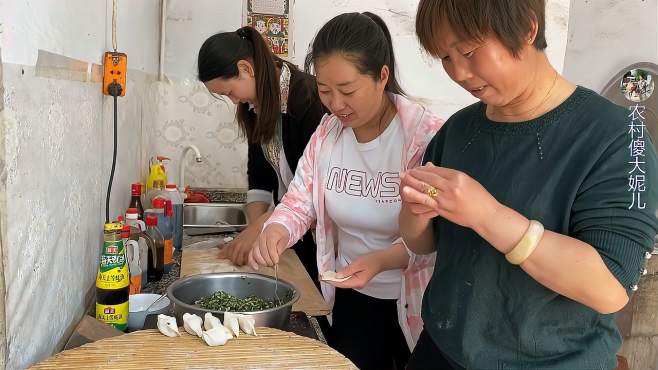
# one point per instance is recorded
(210, 218)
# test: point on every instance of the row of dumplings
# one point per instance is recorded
(215, 333)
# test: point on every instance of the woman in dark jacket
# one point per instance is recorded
(278, 109)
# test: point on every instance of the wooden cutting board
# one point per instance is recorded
(204, 259)
(148, 349)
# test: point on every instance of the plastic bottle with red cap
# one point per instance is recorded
(132, 219)
(144, 242)
(177, 201)
(155, 262)
(169, 215)
(158, 191)
(165, 227)
(132, 256)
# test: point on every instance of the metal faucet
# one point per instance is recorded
(199, 159)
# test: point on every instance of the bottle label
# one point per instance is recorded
(115, 315)
(135, 284)
(113, 270)
(168, 251)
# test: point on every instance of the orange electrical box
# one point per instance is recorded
(114, 70)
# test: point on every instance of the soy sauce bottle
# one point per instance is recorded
(113, 279)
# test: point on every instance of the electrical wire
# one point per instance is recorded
(114, 154)
(115, 91)
(114, 25)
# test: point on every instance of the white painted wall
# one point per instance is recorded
(188, 26)
(52, 139)
(607, 36)
(3, 224)
(80, 29)
(57, 141)
(56, 27)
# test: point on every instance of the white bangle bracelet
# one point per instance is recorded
(527, 245)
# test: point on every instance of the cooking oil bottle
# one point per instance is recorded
(113, 279)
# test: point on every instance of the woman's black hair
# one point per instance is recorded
(218, 58)
(362, 38)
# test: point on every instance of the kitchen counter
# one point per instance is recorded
(300, 323)
(223, 195)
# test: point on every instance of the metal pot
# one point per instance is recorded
(184, 292)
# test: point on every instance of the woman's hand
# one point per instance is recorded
(459, 198)
(362, 270)
(271, 244)
(413, 197)
(238, 249)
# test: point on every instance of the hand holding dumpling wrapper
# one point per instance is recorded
(333, 277)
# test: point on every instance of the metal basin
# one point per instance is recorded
(210, 218)
(184, 292)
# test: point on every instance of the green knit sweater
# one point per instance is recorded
(568, 169)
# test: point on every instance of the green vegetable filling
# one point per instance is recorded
(222, 301)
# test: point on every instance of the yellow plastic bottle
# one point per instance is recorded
(157, 171)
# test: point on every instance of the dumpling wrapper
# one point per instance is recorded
(210, 322)
(225, 330)
(231, 323)
(215, 337)
(247, 324)
(192, 324)
(167, 326)
(331, 276)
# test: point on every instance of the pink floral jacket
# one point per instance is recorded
(304, 203)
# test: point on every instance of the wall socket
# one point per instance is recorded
(114, 70)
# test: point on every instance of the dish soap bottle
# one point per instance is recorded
(157, 172)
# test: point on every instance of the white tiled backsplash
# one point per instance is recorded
(187, 114)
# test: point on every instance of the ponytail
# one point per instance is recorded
(392, 85)
(362, 38)
(218, 58)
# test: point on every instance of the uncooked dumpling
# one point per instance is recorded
(167, 325)
(231, 323)
(192, 324)
(225, 330)
(331, 276)
(215, 337)
(247, 324)
(210, 321)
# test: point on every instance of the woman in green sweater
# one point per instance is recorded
(540, 201)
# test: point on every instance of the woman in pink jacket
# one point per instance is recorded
(348, 181)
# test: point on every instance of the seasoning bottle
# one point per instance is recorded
(166, 228)
(144, 243)
(156, 191)
(136, 200)
(113, 279)
(156, 255)
(132, 256)
(177, 203)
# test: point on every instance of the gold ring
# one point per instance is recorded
(431, 191)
